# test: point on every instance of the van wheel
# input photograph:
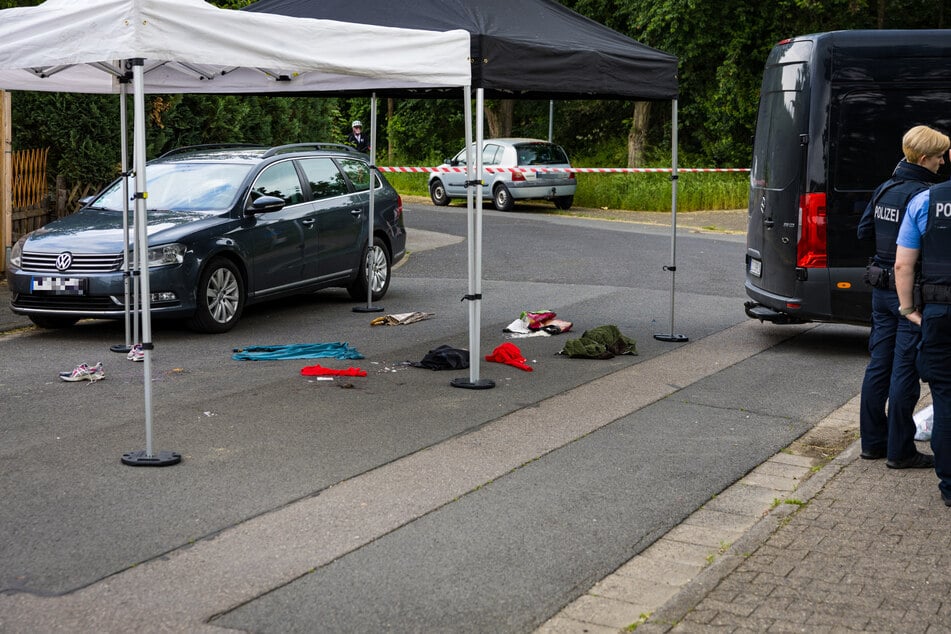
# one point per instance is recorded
(53, 323)
(502, 198)
(374, 272)
(219, 297)
(437, 191)
(564, 202)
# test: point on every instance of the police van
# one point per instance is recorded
(833, 109)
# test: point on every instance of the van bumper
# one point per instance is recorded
(756, 310)
(773, 308)
(818, 299)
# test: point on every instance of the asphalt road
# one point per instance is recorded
(396, 501)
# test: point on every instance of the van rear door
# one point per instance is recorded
(776, 175)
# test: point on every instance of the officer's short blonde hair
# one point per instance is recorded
(922, 141)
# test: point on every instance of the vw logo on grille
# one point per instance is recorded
(64, 260)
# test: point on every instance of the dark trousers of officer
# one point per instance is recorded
(891, 374)
(934, 363)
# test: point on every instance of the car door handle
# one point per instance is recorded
(308, 221)
(356, 212)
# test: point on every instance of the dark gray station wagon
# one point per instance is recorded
(227, 227)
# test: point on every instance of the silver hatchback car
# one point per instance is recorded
(505, 188)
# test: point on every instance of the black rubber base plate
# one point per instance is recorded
(160, 459)
(481, 384)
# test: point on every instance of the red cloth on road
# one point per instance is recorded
(319, 370)
(509, 354)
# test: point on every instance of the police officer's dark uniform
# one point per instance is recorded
(893, 340)
(934, 358)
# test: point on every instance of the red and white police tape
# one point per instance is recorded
(567, 170)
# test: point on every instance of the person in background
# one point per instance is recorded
(893, 341)
(357, 139)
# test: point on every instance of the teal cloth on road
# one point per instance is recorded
(338, 350)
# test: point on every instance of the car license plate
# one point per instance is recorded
(58, 285)
(756, 267)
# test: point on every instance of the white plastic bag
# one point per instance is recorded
(923, 422)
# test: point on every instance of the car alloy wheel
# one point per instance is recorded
(375, 272)
(220, 297)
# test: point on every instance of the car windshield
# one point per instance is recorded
(540, 154)
(180, 186)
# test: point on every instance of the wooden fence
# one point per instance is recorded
(30, 199)
(32, 204)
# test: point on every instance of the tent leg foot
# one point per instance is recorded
(672, 338)
(142, 459)
(480, 384)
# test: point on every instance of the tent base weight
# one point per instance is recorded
(481, 384)
(368, 309)
(672, 338)
(160, 459)
(120, 347)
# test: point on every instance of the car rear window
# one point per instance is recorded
(540, 154)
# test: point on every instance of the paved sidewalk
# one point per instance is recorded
(798, 545)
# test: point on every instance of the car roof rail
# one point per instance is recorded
(301, 147)
(212, 146)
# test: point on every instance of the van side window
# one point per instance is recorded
(870, 126)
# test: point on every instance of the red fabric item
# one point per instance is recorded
(319, 370)
(537, 320)
(509, 354)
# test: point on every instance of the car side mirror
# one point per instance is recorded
(264, 204)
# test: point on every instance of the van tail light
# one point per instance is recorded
(517, 176)
(399, 206)
(811, 247)
(571, 175)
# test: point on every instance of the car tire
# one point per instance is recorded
(564, 202)
(377, 267)
(220, 297)
(502, 198)
(53, 322)
(437, 191)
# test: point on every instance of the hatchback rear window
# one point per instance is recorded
(540, 154)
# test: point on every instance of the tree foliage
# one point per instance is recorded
(720, 44)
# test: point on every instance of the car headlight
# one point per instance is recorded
(16, 253)
(166, 254)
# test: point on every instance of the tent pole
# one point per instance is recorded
(672, 267)
(368, 261)
(474, 246)
(126, 268)
(146, 457)
(551, 119)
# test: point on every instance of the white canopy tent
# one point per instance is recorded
(172, 46)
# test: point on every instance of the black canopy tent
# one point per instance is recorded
(527, 49)
(520, 49)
